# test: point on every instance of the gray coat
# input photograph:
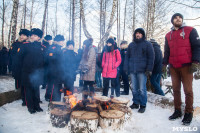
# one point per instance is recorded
(90, 64)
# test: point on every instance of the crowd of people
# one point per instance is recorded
(36, 61)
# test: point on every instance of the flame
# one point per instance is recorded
(72, 101)
(106, 105)
(68, 93)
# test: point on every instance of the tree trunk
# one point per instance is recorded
(3, 18)
(87, 34)
(73, 18)
(124, 20)
(133, 27)
(70, 19)
(80, 30)
(113, 119)
(25, 14)
(111, 22)
(44, 15)
(31, 17)
(10, 29)
(83, 121)
(56, 17)
(14, 20)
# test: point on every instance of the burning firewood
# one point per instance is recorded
(59, 118)
(59, 105)
(84, 121)
(113, 119)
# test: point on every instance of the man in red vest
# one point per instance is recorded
(182, 53)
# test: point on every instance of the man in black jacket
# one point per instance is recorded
(3, 60)
(31, 56)
(16, 64)
(157, 68)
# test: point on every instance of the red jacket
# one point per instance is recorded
(179, 45)
(110, 62)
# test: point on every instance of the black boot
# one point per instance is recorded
(142, 109)
(187, 119)
(23, 104)
(39, 109)
(177, 114)
(31, 111)
(134, 106)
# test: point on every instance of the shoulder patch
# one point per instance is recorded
(50, 54)
(18, 49)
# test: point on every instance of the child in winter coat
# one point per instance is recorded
(110, 61)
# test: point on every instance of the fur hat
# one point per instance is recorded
(59, 38)
(37, 32)
(110, 40)
(176, 14)
(70, 42)
(24, 32)
(48, 37)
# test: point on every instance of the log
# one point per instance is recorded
(113, 119)
(121, 107)
(59, 118)
(92, 108)
(120, 100)
(59, 105)
(102, 98)
(84, 121)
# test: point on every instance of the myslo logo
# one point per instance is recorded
(185, 129)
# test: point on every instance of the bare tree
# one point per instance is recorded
(56, 30)
(110, 24)
(25, 4)
(31, 15)
(87, 34)
(3, 21)
(80, 30)
(44, 15)
(14, 20)
(124, 20)
(73, 18)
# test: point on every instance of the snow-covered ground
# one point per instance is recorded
(16, 119)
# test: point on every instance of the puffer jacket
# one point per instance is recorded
(140, 55)
(110, 62)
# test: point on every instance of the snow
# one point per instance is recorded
(6, 84)
(16, 119)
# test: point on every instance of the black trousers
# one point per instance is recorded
(69, 85)
(113, 86)
(125, 81)
(32, 97)
(54, 91)
(17, 86)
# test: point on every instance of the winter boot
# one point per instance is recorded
(134, 106)
(177, 114)
(31, 111)
(38, 109)
(187, 119)
(142, 109)
(23, 104)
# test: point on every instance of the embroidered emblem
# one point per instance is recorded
(50, 54)
(182, 34)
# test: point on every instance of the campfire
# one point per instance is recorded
(86, 115)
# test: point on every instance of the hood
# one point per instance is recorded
(183, 25)
(141, 30)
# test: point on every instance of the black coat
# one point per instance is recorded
(4, 56)
(55, 64)
(70, 64)
(14, 59)
(32, 58)
(123, 54)
(158, 59)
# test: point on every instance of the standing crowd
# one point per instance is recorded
(36, 61)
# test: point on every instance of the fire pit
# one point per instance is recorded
(87, 115)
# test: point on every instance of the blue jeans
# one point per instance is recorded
(98, 79)
(155, 81)
(139, 88)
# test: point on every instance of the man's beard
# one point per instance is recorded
(178, 25)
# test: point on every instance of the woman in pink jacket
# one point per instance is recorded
(110, 61)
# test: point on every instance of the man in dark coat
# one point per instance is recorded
(182, 52)
(46, 43)
(31, 56)
(123, 51)
(71, 65)
(16, 65)
(157, 69)
(55, 69)
(139, 62)
(4, 61)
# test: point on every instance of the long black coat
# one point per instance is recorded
(71, 64)
(55, 64)
(157, 68)
(32, 58)
(4, 56)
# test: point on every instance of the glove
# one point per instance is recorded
(148, 73)
(194, 67)
(164, 69)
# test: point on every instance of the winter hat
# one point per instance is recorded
(25, 32)
(88, 42)
(176, 14)
(59, 38)
(152, 40)
(48, 37)
(71, 42)
(110, 40)
(37, 32)
(123, 42)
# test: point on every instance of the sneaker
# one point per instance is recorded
(142, 109)
(31, 111)
(39, 109)
(187, 119)
(134, 106)
(177, 114)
